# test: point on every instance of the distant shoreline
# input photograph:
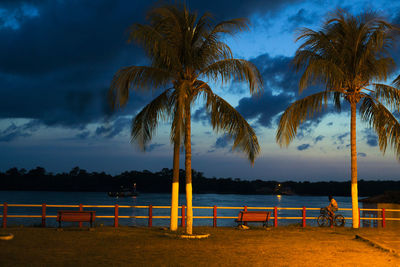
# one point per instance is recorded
(79, 180)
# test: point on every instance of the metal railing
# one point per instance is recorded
(213, 215)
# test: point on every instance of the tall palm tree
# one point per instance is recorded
(185, 50)
(349, 56)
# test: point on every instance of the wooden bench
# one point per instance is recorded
(253, 216)
(76, 216)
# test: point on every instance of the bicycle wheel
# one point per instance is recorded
(322, 220)
(339, 220)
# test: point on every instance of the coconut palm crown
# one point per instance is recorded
(349, 56)
(185, 51)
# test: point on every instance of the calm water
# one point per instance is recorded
(96, 198)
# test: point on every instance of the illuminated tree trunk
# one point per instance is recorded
(188, 169)
(175, 189)
(354, 189)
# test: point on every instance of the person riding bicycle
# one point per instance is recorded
(332, 207)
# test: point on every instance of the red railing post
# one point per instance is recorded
(215, 216)
(245, 209)
(5, 215)
(183, 219)
(150, 215)
(383, 218)
(80, 209)
(359, 218)
(304, 216)
(44, 215)
(275, 217)
(116, 215)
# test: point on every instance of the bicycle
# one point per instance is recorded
(325, 220)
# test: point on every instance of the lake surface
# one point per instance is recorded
(220, 200)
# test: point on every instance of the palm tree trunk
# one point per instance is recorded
(354, 188)
(175, 189)
(188, 169)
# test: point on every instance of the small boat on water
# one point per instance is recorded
(125, 192)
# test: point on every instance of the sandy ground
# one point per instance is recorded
(128, 246)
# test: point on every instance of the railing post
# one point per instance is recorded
(304, 216)
(5, 215)
(44, 215)
(383, 218)
(275, 217)
(116, 215)
(150, 215)
(215, 216)
(359, 218)
(183, 219)
(245, 209)
(80, 209)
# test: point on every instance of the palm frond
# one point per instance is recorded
(396, 82)
(384, 123)
(237, 69)
(231, 26)
(298, 112)
(226, 118)
(388, 95)
(136, 78)
(145, 122)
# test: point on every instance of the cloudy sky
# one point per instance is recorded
(58, 58)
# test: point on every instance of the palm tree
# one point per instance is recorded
(184, 49)
(349, 55)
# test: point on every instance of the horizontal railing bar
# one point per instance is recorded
(62, 206)
(24, 205)
(230, 208)
(24, 216)
(99, 206)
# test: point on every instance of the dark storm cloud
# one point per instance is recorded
(318, 138)
(280, 83)
(226, 9)
(13, 131)
(222, 142)
(302, 17)
(370, 137)
(111, 129)
(61, 55)
(303, 147)
(83, 135)
(280, 90)
(201, 115)
(59, 63)
(341, 138)
(361, 154)
(154, 146)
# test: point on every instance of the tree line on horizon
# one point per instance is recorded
(38, 179)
